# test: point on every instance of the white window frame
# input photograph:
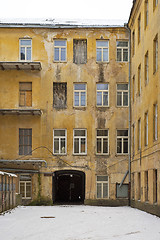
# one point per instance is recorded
(25, 46)
(102, 142)
(122, 50)
(25, 187)
(80, 94)
(102, 48)
(122, 95)
(122, 138)
(102, 91)
(60, 50)
(59, 141)
(102, 183)
(80, 137)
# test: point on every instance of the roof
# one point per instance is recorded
(60, 23)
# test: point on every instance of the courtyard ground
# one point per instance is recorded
(67, 222)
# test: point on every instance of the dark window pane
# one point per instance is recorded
(119, 145)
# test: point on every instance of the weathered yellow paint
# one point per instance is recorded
(148, 158)
(89, 117)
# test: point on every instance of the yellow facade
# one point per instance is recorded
(43, 117)
(145, 75)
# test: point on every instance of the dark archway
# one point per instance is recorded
(68, 186)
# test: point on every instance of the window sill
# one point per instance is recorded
(59, 61)
(102, 62)
(79, 107)
(79, 154)
(122, 154)
(60, 154)
(102, 154)
(122, 106)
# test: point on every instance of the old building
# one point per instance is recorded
(64, 108)
(145, 75)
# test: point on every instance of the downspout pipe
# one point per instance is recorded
(129, 80)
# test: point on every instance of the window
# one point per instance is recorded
(102, 141)
(155, 54)
(59, 141)
(25, 186)
(146, 68)
(122, 141)
(133, 89)
(122, 51)
(155, 3)
(25, 94)
(139, 186)
(155, 122)
(80, 141)
(102, 95)
(146, 15)
(60, 49)
(146, 186)
(80, 51)
(60, 95)
(122, 191)
(139, 80)
(133, 138)
(79, 95)
(25, 49)
(139, 28)
(146, 129)
(139, 134)
(122, 95)
(155, 185)
(25, 141)
(133, 43)
(133, 186)
(102, 50)
(102, 187)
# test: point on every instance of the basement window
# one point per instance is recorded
(25, 186)
(60, 95)
(80, 51)
(122, 192)
(25, 94)
(102, 183)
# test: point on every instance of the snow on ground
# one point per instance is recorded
(78, 223)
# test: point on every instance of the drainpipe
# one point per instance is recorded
(129, 76)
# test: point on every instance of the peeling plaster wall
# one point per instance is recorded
(91, 117)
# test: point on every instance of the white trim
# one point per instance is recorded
(122, 96)
(60, 47)
(102, 91)
(102, 182)
(59, 141)
(25, 46)
(80, 91)
(102, 137)
(122, 137)
(80, 137)
(102, 40)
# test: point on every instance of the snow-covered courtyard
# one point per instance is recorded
(68, 222)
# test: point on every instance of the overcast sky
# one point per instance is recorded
(71, 9)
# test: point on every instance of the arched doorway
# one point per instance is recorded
(69, 186)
